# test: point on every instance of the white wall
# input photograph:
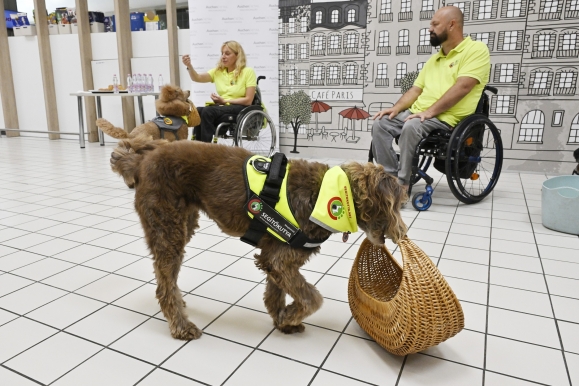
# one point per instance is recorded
(150, 55)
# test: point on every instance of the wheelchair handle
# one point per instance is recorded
(263, 77)
(492, 89)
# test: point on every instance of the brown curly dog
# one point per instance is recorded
(172, 102)
(174, 181)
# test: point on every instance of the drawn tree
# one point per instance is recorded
(407, 81)
(295, 109)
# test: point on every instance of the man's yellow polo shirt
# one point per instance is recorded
(470, 58)
(230, 88)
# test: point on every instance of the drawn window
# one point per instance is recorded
(573, 6)
(574, 132)
(303, 50)
(291, 77)
(505, 104)
(317, 73)
(351, 15)
(382, 71)
(568, 42)
(507, 71)
(460, 6)
(351, 40)
(350, 71)
(485, 9)
(424, 37)
(514, 8)
(532, 127)
(303, 76)
(403, 37)
(544, 42)
(280, 26)
(386, 6)
(510, 40)
(292, 25)
(291, 51)
(557, 118)
(334, 42)
(482, 37)
(383, 39)
(335, 15)
(400, 70)
(566, 80)
(318, 17)
(406, 6)
(304, 24)
(318, 43)
(280, 51)
(551, 6)
(427, 5)
(333, 72)
(420, 66)
(281, 77)
(541, 80)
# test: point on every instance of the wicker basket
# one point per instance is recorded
(407, 309)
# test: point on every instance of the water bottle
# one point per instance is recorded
(152, 83)
(115, 84)
(129, 83)
(161, 83)
(134, 83)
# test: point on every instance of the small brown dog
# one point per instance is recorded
(172, 102)
(174, 181)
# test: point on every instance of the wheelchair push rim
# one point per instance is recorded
(475, 159)
(253, 135)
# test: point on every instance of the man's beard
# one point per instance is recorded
(437, 40)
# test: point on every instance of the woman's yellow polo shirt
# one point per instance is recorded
(230, 88)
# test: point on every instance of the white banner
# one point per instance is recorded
(254, 24)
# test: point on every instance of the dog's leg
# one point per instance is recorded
(282, 265)
(274, 299)
(167, 234)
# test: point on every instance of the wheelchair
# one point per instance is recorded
(471, 157)
(252, 128)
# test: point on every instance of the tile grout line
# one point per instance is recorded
(562, 349)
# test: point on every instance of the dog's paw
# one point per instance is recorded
(292, 329)
(189, 332)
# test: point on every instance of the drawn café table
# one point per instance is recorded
(98, 94)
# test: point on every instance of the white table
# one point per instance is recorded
(79, 95)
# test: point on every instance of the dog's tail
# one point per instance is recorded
(125, 159)
(110, 129)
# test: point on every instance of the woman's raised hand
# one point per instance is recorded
(187, 61)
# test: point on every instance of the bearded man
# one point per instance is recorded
(446, 91)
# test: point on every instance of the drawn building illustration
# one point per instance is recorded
(352, 54)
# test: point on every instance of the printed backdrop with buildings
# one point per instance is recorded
(351, 55)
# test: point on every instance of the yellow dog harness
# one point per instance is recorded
(271, 211)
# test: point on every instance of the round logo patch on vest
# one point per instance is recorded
(168, 121)
(254, 206)
(335, 208)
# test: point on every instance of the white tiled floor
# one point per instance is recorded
(78, 307)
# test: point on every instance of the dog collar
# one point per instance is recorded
(334, 209)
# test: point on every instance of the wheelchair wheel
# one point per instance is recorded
(421, 201)
(474, 159)
(256, 133)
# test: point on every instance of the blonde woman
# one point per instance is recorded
(235, 85)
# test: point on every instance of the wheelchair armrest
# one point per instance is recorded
(492, 89)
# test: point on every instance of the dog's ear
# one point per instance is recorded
(187, 93)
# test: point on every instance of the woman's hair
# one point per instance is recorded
(237, 50)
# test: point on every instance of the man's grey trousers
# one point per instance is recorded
(384, 130)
